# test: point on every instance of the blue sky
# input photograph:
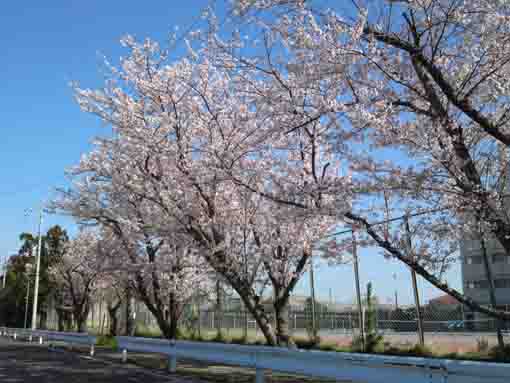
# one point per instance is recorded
(45, 45)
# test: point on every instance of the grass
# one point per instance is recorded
(482, 351)
(147, 332)
(107, 342)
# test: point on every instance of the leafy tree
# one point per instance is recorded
(12, 299)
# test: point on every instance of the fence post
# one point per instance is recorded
(40, 340)
(92, 349)
(15, 335)
(124, 356)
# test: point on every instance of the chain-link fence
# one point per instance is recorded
(453, 320)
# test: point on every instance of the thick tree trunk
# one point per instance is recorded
(114, 320)
(174, 320)
(61, 320)
(68, 321)
(257, 311)
(281, 309)
(174, 315)
(168, 327)
(81, 313)
(81, 321)
(130, 323)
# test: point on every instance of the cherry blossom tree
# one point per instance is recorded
(162, 270)
(77, 273)
(240, 156)
(186, 136)
(417, 91)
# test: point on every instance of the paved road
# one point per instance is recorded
(24, 363)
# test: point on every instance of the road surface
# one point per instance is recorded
(26, 363)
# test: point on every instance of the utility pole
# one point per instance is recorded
(28, 294)
(312, 296)
(396, 291)
(358, 292)
(245, 271)
(421, 336)
(37, 271)
(4, 266)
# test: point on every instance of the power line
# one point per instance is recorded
(347, 231)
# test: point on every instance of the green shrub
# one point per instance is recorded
(220, 337)
(305, 343)
(415, 350)
(239, 340)
(500, 354)
(328, 347)
(147, 332)
(373, 343)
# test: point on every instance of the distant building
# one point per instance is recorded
(474, 278)
(443, 301)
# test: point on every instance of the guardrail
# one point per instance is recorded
(51, 336)
(332, 365)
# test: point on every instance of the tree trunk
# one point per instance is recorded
(68, 321)
(492, 293)
(174, 314)
(219, 310)
(114, 320)
(257, 311)
(168, 328)
(81, 321)
(130, 323)
(61, 320)
(173, 325)
(281, 310)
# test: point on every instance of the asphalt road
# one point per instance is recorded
(25, 363)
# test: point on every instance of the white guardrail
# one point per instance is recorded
(333, 365)
(43, 336)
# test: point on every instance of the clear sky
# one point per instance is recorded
(47, 44)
